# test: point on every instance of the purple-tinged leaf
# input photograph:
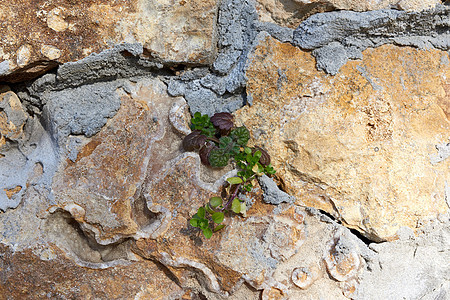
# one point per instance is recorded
(223, 121)
(204, 153)
(194, 140)
(265, 157)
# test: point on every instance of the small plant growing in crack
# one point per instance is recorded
(218, 143)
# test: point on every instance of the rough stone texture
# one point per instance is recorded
(425, 29)
(12, 118)
(104, 180)
(358, 145)
(44, 272)
(96, 193)
(424, 263)
(39, 35)
(344, 35)
(261, 250)
(271, 193)
(221, 88)
(81, 111)
(24, 148)
(290, 13)
(124, 196)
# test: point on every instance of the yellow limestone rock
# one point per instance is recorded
(361, 145)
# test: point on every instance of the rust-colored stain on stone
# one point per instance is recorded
(11, 192)
(27, 26)
(25, 275)
(357, 144)
(39, 35)
(109, 169)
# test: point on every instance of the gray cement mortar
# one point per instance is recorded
(81, 111)
(271, 193)
(19, 163)
(222, 88)
(345, 34)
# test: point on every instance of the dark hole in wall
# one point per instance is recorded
(360, 236)
(355, 232)
(30, 72)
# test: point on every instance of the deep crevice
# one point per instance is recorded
(361, 237)
(327, 214)
(67, 232)
(321, 213)
(141, 214)
(167, 272)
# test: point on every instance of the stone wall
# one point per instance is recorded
(350, 98)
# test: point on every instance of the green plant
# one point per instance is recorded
(218, 142)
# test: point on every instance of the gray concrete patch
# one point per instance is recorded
(359, 30)
(122, 61)
(223, 87)
(81, 111)
(330, 58)
(18, 165)
(283, 34)
(272, 194)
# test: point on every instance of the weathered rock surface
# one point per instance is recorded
(96, 193)
(100, 185)
(291, 13)
(13, 118)
(45, 272)
(358, 145)
(25, 150)
(37, 36)
(338, 36)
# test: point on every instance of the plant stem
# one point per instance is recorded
(213, 139)
(232, 197)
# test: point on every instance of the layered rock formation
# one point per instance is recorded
(96, 192)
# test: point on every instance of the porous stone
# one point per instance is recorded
(12, 119)
(342, 144)
(109, 169)
(37, 36)
(45, 272)
(343, 35)
(81, 111)
(291, 13)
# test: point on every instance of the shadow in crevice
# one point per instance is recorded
(66, 232)
(141, 214)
